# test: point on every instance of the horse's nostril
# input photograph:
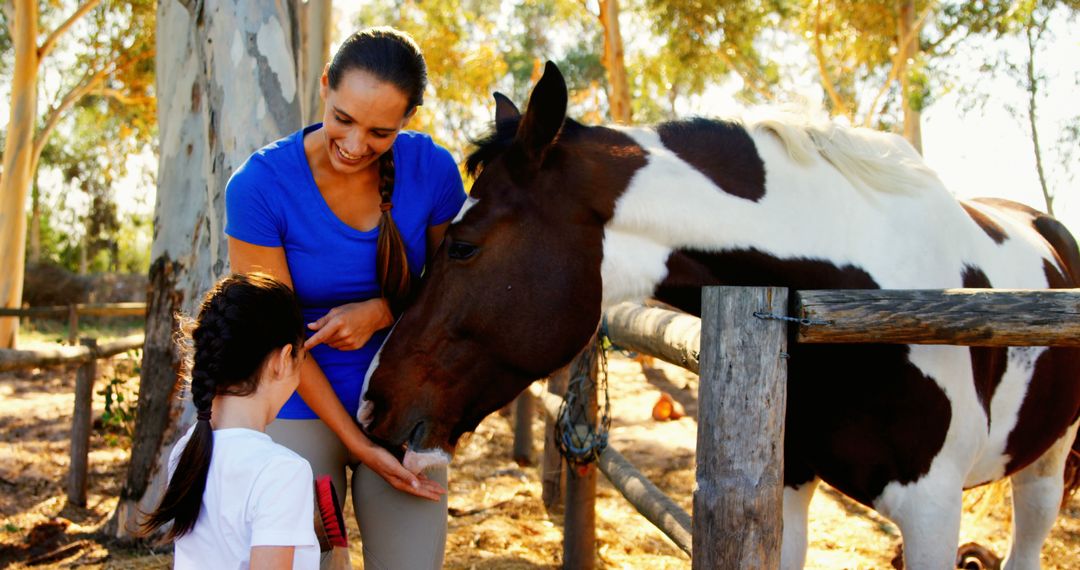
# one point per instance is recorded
(416, 435)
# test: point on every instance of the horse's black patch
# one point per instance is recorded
(987, 363)
(992, 229)
(721, 150)
(859, 416)
(689, 270)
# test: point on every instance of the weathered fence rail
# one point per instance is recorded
(85, 310)
(86, 355)
(741, 357)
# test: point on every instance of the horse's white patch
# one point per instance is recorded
(417, 461)
(366, 409)
(469, 203)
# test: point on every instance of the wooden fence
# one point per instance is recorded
(74, 311)
(739, 348)
(86, 355)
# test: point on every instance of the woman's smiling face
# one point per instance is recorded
(363, 117)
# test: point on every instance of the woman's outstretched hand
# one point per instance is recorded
(349, 327)
(385, 465)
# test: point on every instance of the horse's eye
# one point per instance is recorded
(463, 250)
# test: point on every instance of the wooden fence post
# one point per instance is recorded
(738, 502)
(524, 412)
(80, 426)
(579, 520)
(73, 325)
(552, 473)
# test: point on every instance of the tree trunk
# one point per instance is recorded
(618, 88)
(227, 86)
(35, 222)
(315, 32)
(17, 177)
(908, 36)
(1033, 32)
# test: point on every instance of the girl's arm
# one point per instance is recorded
(317, 393)
(272, 557)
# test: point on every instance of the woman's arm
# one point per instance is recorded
(317, 393)
(272, 557)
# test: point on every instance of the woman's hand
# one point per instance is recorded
(349, 327)
(389, 468)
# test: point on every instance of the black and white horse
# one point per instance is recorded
(565, 219)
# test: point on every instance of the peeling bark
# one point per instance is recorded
(227, 85)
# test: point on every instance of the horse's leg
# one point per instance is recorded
(928, 514)
(796, 512)
(1037, 491)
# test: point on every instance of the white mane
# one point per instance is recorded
(869, 159)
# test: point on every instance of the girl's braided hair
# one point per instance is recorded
(243, 319)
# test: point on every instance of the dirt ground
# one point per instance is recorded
(497, 517)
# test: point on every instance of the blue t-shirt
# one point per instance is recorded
(272, 200)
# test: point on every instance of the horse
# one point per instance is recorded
(564, 219)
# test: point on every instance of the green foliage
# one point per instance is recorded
(95, 139)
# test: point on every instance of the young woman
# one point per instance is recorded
(346, 212)
(235, 498)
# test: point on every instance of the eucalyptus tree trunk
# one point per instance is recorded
(618, 87)
(314, 54)
(908, 37)
(227, 85)
(18, 158)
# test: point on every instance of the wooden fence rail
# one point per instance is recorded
(85, 310)
(86, 355)
(73, 312)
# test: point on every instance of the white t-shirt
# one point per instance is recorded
(258, 493)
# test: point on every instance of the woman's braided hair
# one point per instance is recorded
(392, 57)
(243, 319)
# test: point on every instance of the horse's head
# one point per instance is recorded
(514, 291)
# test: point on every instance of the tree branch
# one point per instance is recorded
(895, 65)
(819, 54)
(87, 85)
(50, 41)
(9, 14)
(57, 112)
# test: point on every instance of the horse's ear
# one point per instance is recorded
(546, 112)
(505, 109)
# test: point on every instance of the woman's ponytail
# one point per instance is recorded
(392, 263)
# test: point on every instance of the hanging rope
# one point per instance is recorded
(580, 438)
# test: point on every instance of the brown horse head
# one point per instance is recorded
(514, 291)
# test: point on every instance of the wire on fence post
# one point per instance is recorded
(581, 438)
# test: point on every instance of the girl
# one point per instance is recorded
(235, 498)
(347, 212)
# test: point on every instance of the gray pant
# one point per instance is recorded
(398, 530)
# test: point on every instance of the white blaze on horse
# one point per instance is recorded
(567, 218)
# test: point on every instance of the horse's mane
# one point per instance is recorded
(495, 142)
(868, 158)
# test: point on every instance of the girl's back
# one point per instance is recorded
(251, 499)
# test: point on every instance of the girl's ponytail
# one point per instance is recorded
(392, 265)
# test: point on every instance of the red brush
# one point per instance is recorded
(329, 520)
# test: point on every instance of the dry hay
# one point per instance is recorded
(497, 516)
